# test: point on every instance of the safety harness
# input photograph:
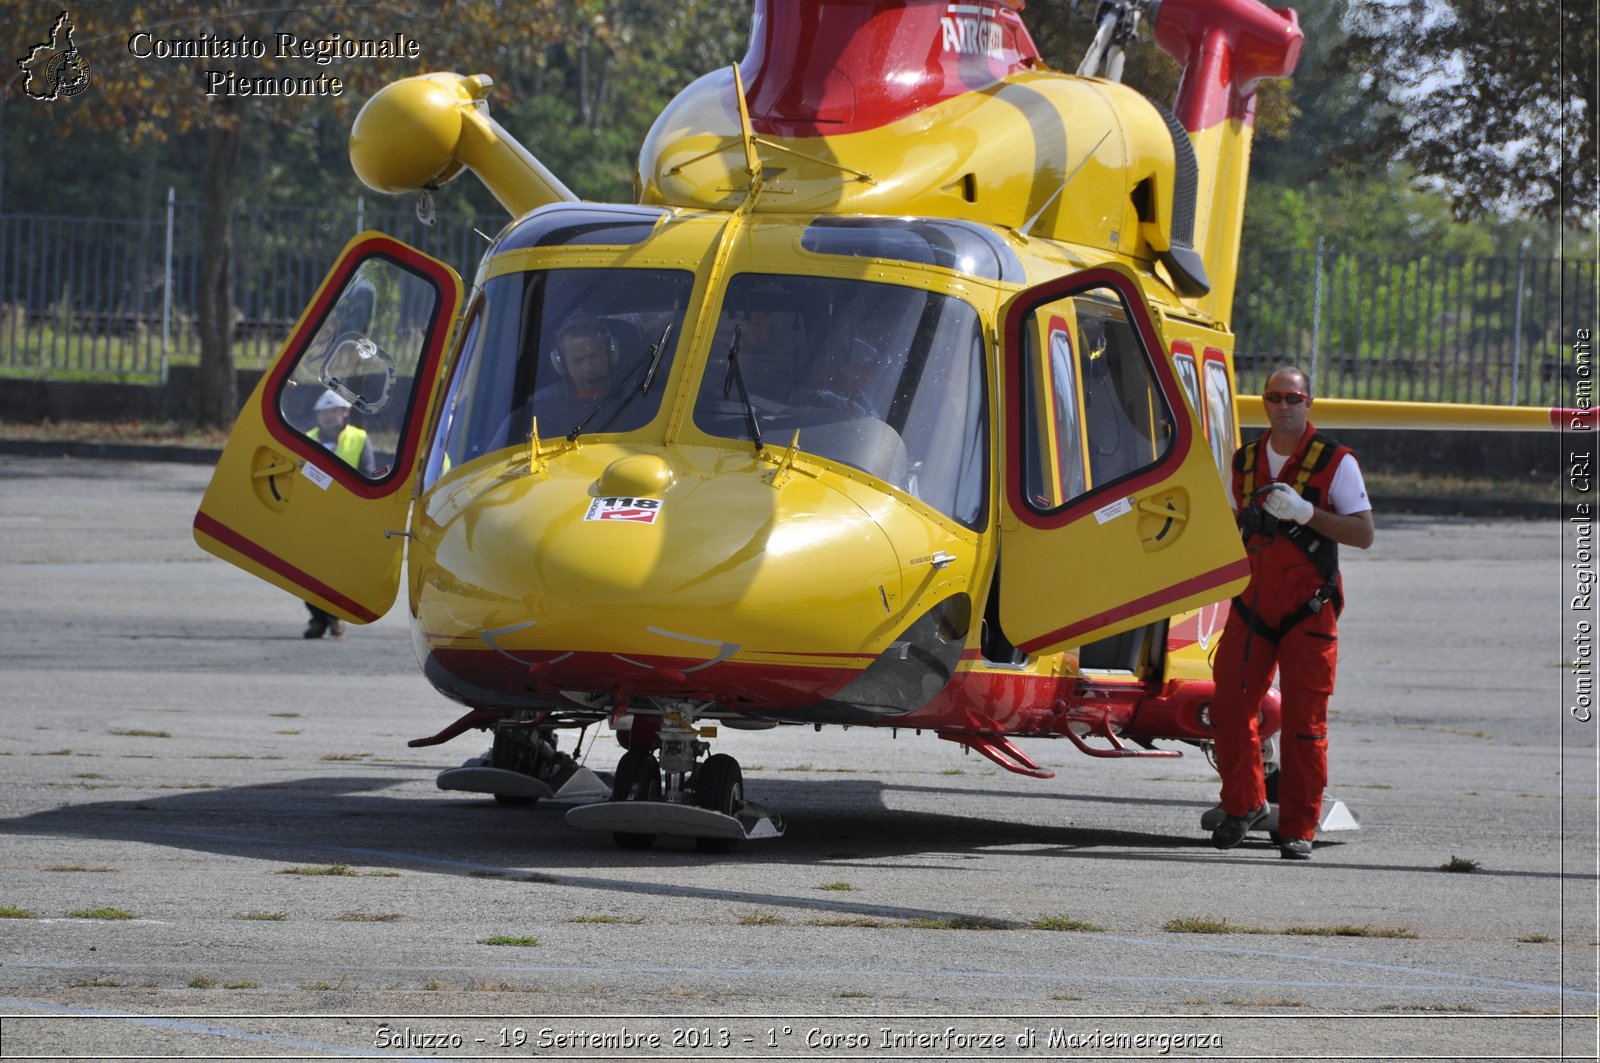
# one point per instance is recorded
(1314, 458)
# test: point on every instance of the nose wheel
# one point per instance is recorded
(638, 778)
(678, 794)
(719, 787)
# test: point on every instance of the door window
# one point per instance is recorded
(1094, 413)
(350, 390)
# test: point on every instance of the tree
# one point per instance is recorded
(1495, 99)
(134, 88)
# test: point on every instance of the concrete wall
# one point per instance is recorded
(36, 401)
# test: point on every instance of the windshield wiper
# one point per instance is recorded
(736, 376)
(651, 356)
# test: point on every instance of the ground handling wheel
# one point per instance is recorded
(638, 778)
(719, 786)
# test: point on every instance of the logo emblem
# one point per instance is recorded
(55, 69)
(636, 510)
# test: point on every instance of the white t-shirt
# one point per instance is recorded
(1347, 493)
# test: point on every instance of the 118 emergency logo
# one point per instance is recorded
(637, 510)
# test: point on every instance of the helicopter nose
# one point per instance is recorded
(674, 562)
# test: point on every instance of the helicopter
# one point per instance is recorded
(901, 397)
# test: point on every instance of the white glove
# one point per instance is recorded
(1283, 503)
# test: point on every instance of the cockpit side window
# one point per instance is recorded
(884, 378)
(566, 349)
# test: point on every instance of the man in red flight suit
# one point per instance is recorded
(1299, 495)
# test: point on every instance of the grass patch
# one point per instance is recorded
(11, 911)
(612, 919)
(1266, 1002)
(93, 983)
(1207, 925)
(433, 985)
(134, 732)
(243, 983)
(762, 919)
(1535, 939)
(1061, 922)
(1346, 930)
(84, 868)
(337, 870)
(836, 887)
(381, 874)
(324, 987)
(851, 994)
(201, 981)
(262, 917)
(100, 913)
(479, 985)
(1427, 1007)
(285, 732)
(958, 922)
(1457, 865)
(336, 757)
(285, 715)
(368, 917)
(866, 922)
(88, 775)
(509, 939)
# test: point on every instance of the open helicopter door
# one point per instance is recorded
(320, 464)
(1111, 512)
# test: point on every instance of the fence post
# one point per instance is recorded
(166, 290)
(1516, 323)
(1316, 324)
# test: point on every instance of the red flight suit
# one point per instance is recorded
(1283, 579)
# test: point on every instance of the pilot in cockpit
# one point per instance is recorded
(582, 368)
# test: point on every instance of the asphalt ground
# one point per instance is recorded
(174, 751)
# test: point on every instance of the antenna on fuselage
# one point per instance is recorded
(747, 133)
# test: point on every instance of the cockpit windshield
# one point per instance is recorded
(885, 378)
(585, 350)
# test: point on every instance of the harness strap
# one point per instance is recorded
(1326, 594)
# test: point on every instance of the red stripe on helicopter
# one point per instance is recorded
(1215, 578)
(239, 544)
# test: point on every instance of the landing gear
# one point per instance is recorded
(663, 787)
(638, 778)
(718, 786)
(523, 767)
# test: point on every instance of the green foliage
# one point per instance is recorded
(1494, 98)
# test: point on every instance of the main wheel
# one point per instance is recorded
(719, 786)
(638, 778)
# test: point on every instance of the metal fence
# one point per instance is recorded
(104, 298)
(1431, 328)
(116, 298)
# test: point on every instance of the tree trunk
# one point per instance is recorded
(217, 401)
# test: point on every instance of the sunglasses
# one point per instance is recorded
(1293, 398)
